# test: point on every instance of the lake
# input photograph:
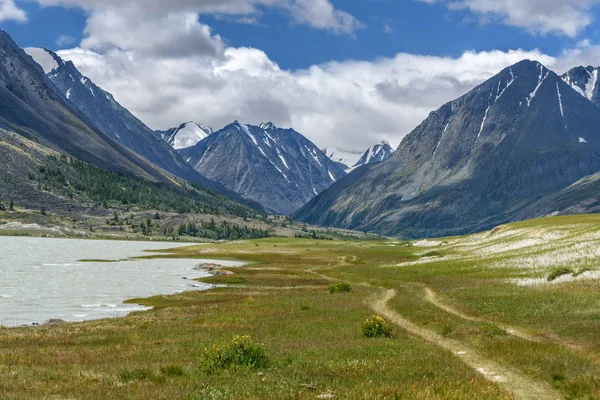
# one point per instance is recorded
(42, 279)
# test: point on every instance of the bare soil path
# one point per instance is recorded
(506, 378)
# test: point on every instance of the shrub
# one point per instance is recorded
(559, 272)
(377, 326)
(240, 352)
(340, 288)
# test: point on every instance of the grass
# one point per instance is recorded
(341, 287)
(314, 340)
(557, 273)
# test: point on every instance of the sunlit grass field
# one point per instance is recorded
(524, 297)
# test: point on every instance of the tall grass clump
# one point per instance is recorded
(560, 272)
(376, 327)
(242, 351)
(340, 288)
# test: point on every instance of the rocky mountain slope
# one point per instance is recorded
(477, 162)
(278, 168)
(186, 135)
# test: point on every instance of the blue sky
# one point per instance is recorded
(390, 27)
(214, 61)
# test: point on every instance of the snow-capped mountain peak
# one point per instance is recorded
(378, 153)
(585, 82)
(186, 135)
(267, 126)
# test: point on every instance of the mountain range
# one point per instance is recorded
(481, 160)
(525, 143)
(106, 114)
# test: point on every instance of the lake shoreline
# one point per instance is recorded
(76, 298)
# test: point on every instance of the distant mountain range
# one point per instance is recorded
(350, 161)
(481, 160)
(278, 168)
(525, 143)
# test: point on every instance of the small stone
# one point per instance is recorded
(325, 396)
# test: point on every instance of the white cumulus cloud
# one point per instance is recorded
(10, 11)
(567, 17)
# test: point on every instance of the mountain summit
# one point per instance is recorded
(378, 153)
(278, 168)
(475, 162)
(186, 135)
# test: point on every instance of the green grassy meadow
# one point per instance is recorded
(479, 300)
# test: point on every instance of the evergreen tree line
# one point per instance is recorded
(7, 205)
(72, 177)
(224, 230)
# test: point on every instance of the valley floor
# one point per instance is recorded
(512, 313)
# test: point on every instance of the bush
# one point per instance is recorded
(376, 326)
(241, 352)
(560, 272)
(340, 288)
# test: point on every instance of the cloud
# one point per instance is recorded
(566, 17)
(10, 11)
(322, 15)
(350, 105)
(65, 40)
(319, 14)
(168, 67)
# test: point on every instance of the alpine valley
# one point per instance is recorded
(420, 219)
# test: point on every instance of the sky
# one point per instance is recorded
(345, 73)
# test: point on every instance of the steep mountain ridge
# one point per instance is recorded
(278, 168)
(106, 113)
(474, 163)
(32, 106)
